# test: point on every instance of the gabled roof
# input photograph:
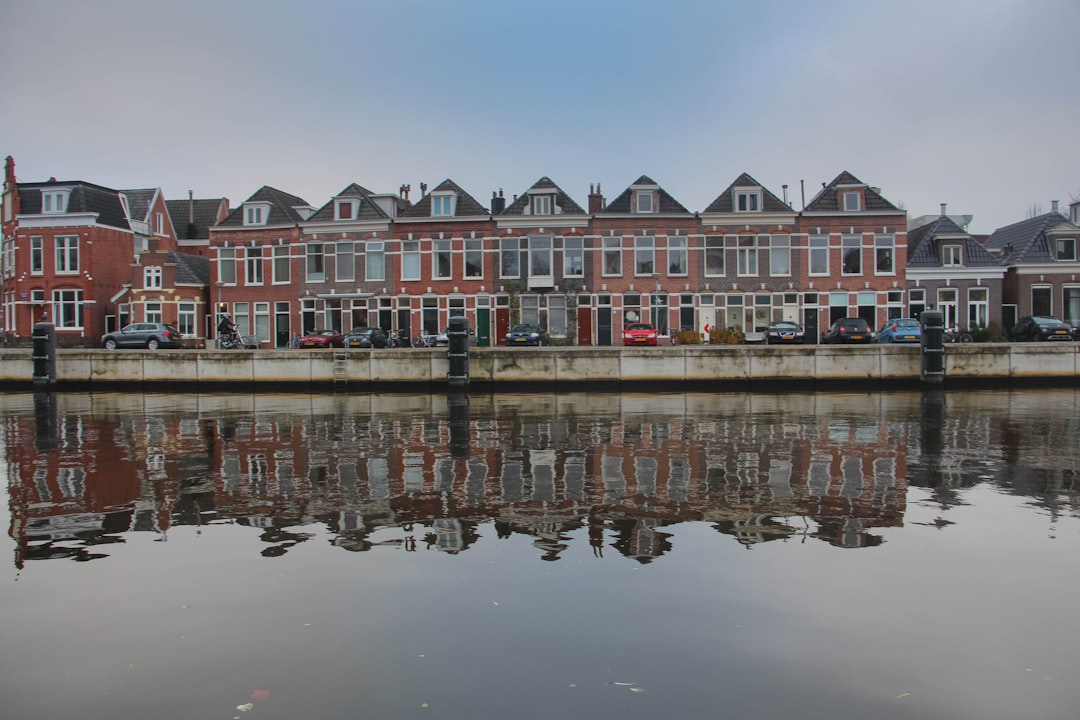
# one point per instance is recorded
(623, 204)
(190, 269)
(466, 205)
(84, 197)
(204, 212)
(139, 202)
(282, 208)
(1025, 241)
(368, 209)
(827, 199)
(569, 207)
(924, 243)
(725, 202)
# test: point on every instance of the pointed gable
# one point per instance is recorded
(354, 203)
(447, 200)
(276, 208)
(629, 202)
(740, 196)
(831, 198)
(543, 199)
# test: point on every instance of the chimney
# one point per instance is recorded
(943, 209)
(498, 203)
(423, 189)
(596, 199)
(191, 233)
(1053, 206)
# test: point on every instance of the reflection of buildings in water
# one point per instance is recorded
(623, 478)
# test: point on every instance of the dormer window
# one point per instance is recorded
(747, 201)
(852, 201)
(1066, 249)
(159, 223)
(345, 210)
(644, 202)
(54, 201)
(442, 204)
(256, 213)
(952, 255)
(152, 278)
(541, 205)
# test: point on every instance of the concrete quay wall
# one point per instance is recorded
(693, 366)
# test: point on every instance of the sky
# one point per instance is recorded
(973, 103)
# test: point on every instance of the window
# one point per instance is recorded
(37, 255)
(440, 259)
(916, 302)
(1042, 300)
(530, 309)
(612, 256)
(540, 256)
(557, 315)
(852, 201)
(509, 257)
(978, 307)
(819, 255)
(185, 318)
(316, 267)
(1066, 248)
(67, 308)
(159, 223)
(946, 303)
(410, 260)
(541, 205)
(714, 256)
(344, 262)
(677, 258)
(54, 201)
(227, 265)
(644, 256)
(67, 254)
(644, 202)
(631, 308)
(280, 270)
(573, 257)
(262, 321)
(852, 254)
(442, 205)
(659, 303)
(747, 256)
(952, 255)
(1071, 298)
(345, 210)
(374, 261)
(254, 266)
(884, 251)
(747, 201)
(780, 255)
(256, 214)
(474, 258)
(242, 317)
(152, 311)
(152, 278)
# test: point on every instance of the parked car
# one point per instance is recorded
(366, 337)
(900, 330)
(639, 334)
(849, 330)
(443, 338)
(1035, 328)
(526, 334)
(151, 335)
(321, 339)
(785, 333)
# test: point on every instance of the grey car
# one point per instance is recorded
(152, 335)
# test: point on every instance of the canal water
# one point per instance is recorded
(893, 555)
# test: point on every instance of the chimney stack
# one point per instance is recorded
(943, 209)
(596, 199)
(498, 203)
(1053, 206)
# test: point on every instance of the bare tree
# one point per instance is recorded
(1034, 211)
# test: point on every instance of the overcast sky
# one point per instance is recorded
(974, 103)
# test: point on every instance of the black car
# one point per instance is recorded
(1035, 328)
(849, 330)
(789, 333)
(152, 335)
(366, 337)
(526, 334)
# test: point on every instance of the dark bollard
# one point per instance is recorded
(933, 347)
(44, 353)
(457, 352)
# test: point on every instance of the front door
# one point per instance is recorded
(483, 327)
(584, 325)
(502, 324)
(603, 326)
(810, 325)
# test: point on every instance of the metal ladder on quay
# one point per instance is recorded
(341, 367)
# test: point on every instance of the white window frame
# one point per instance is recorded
(443, 203)
(344, 261)
(253, 266)
(847, 244)
(978, 302)
(442, 260)
(153, 311)
(714, 248)
(510, 255)
(852, 200)
(747, 256)
(884, 244)
(410, 260)
(541, 204)
(779, 254)
(256, 213)
(186, 318)
(152, 277)
(817, 251)
(474, 259)
(350, 203)
(227, 266)
(374, 260)
(952, 255)
(67, 308)
(159, 223)
(678, 256)
(541, 255)
(644, 256)
(37, 255)
(747, 201)
(67, 254)
(574, 257)
(281, 265)
(1061, 244)
(315, 262)
(645, 202)
(612, 248)
(54, 201)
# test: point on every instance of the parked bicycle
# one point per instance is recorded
(957, 334)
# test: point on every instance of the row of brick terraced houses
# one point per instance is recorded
(91, 259)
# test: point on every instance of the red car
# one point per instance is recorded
(321, 339)
(639, 334)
